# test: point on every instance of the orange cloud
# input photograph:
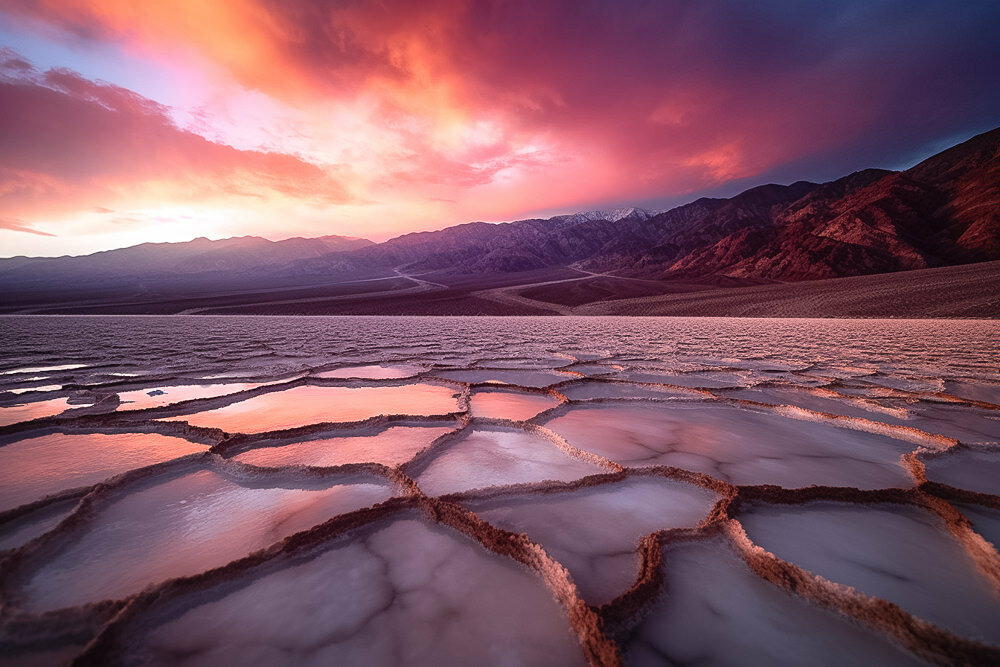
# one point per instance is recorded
(505, 108)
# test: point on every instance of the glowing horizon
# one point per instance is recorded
(123, 123)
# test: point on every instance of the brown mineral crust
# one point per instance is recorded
(536, 488)
(622, 613)
(300, 472)
(701, 479)
(961, 495)
(780, 495)
(983, 553)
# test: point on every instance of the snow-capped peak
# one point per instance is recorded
(612, 215)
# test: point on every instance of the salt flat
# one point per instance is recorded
(492, 490)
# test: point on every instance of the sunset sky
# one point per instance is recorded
(124, 121)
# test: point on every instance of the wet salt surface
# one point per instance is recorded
(372, 372)
(19, 412)
(26, 528)
(736, 445)
(500, 457)
(181, 527)
(33, 468)
(510, 405)
(442, 600)
(393, 446)
(155, 397)
(986, 521)
(405, 588)
(717, 612)
(524, 378)
(967, 469)
(301, 406)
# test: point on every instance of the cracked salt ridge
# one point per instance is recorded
(180, 527)
(591, 369)
(309, 404)
(985, 521)
(595, 531)
(962, 422)
(898, 553)
(692, 380)
(529, 363)
(715, 611)
(987, 392)
(516, 406)
(401, 592)
(738, 445)
(969, 469)
(373, 372)
(26, 411)
(527, 378)
(494, 456)
(36, 467)
(589, 390)
(22, 529)
(392, 446)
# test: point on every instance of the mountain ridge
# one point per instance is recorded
(944, 211)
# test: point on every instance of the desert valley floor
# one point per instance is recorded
(364, 490)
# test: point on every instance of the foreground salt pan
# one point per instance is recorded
(181, 527)
(897, 553)
(391, 447)
(736, 445)
(595, 531)
(36, 410)
(408, 594)
(417, 580)
(500, 457)
(715, 611)
(509, 405)
(36, 467)
(301, 406)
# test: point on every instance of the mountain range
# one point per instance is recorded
(942, 212)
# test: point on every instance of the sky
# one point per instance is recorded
(124, 122)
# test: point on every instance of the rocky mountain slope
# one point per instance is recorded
(944, 211)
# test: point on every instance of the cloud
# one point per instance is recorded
(18, 226)
(506, 107)
(68, 143)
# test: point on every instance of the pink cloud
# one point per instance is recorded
(504, 107)
(68, 143)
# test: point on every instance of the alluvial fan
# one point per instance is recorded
(533, 491)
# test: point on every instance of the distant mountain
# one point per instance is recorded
(147, 260)
(944, 211)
